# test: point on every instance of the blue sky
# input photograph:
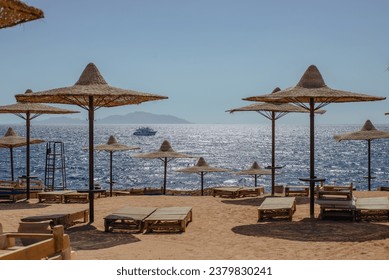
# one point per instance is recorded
(204, 55)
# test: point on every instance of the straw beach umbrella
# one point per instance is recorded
(273, 111)
(202, 168)
(112, 146)
(368, 132)
(90, 92)
(255, 170)
(312, 89)
(11, 140)
(28, 112)
(166, 154)
(13, 12)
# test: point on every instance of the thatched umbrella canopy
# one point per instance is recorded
(13, 12)
(90, 92)
(166, 154)
(255, 170)
(202, 168)
(273, 111)
(11, 140)
(368, 132)
(112, 146)
(29, 111)
(312, 89)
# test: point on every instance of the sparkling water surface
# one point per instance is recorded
(234, 147)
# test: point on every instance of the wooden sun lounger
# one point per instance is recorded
(36, 186)
(375, 208)
(12, 191)
(277, 207)
(98, 193)
(336, 208)
(67, 219)
(231, 192)
(9, 194)
(297, 190)
(336, 201)
(76, 197)
(54, 196)
(129, 218)
(53, 246)
(335, 192)
(170, 219)
(247, 191)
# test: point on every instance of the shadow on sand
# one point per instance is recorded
(317, 230)
(21, 205)
(257, 201)
(87, 237)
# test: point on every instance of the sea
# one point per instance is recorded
(232, 146)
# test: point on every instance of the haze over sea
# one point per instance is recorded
(234, 147)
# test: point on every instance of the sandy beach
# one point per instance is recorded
(221, 229)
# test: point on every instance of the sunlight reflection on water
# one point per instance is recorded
(233, 147)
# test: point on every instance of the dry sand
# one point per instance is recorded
(221, 229)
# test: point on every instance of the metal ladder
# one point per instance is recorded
(55, 161)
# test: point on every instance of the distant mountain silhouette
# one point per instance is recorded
(61, 120)
(130, 118)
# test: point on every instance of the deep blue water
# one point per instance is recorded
(234, 147)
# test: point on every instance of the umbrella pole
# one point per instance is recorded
(164, 175)
(368, 164)
(273, 160)
(12, 163)
(110, 173)
(202, 183)
(91, 160)
(28, 119)
(255, 182)
(312, 157)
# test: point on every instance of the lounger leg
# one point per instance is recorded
(321, 216)
(86, 216)
(183, 225)
(147, 227)
(106, 226)
(141, 226)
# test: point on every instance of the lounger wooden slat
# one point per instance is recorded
(170, 219)
(128, 218)
(372, 208)
(231, 192)
(277, 207)
(67, 219)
